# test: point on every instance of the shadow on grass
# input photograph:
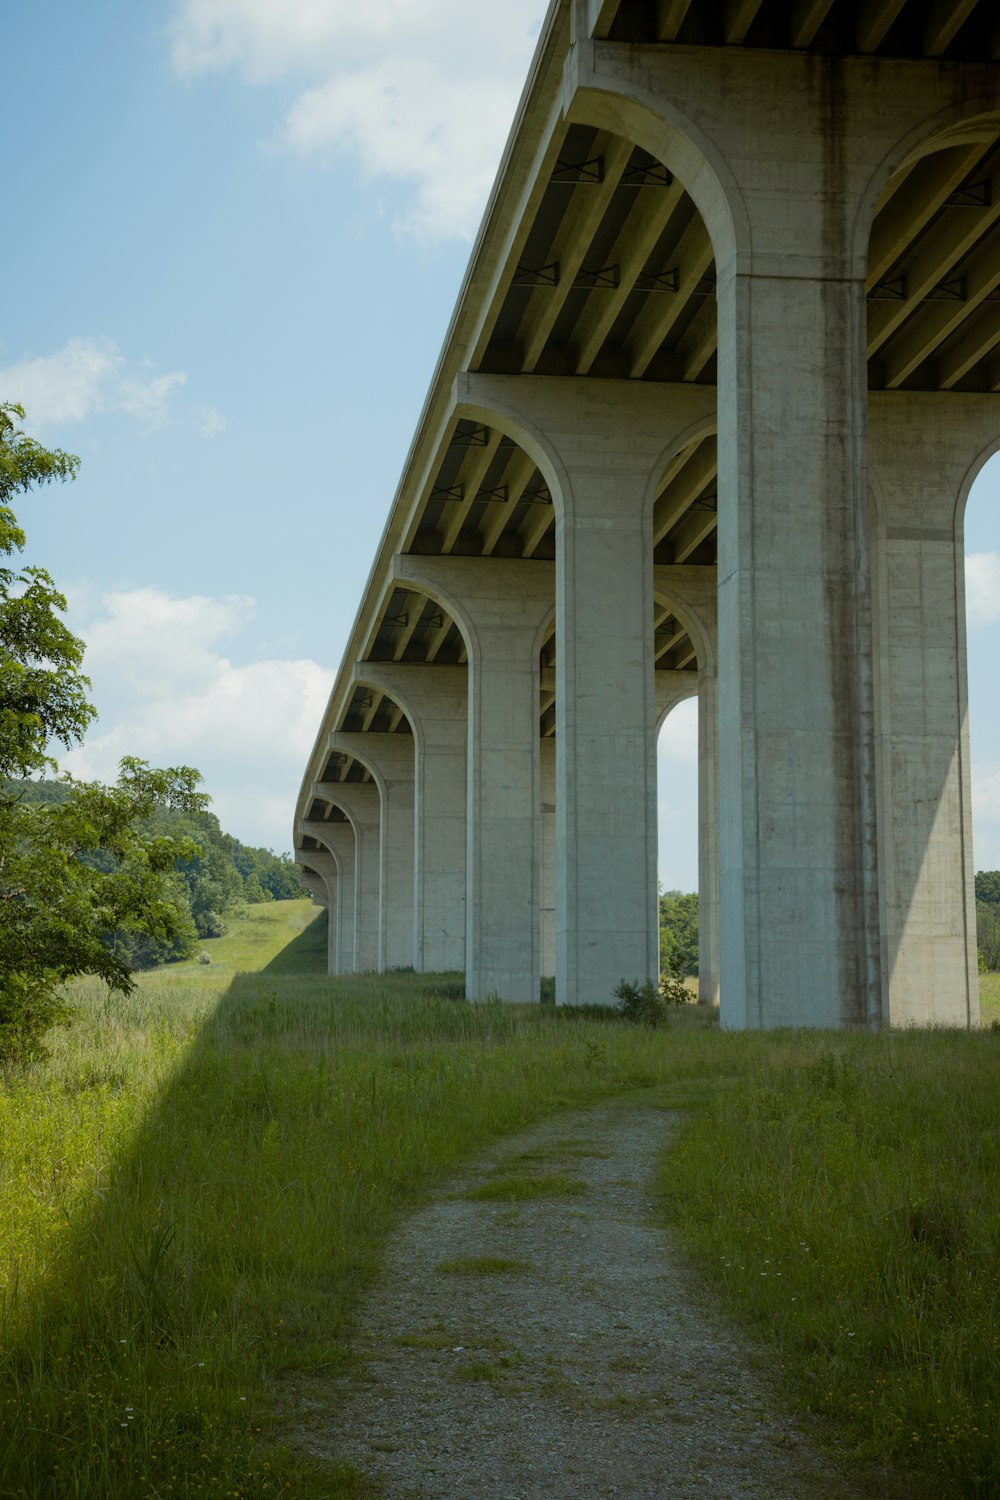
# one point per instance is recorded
(244, 1170)
(305, 954)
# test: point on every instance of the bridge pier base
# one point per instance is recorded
(435, 701)
(504, 608)
(390, 757)
(924, 451)
(360, 802)
(338, 846)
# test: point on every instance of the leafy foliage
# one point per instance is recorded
(77, 871)
(77, 878)
(648, 1004)
(988, 919)
(217, 875)
(43, 695)
(678, 933)
(988, 935)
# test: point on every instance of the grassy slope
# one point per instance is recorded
(196, 1186)
(989, 998)
(844, 1197)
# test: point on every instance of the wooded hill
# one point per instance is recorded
(225, 876)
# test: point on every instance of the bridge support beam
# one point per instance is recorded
(390, 758)
(785, 163)
(360, 802)
(435, 701)
(605, 448)
(338, 841)
(503, 608)
(925, 452)
(691, 593)
(547, 914)
(318, 873)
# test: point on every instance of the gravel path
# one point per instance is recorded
(554, 1345)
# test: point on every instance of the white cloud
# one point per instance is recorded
(411, 87)
(211, 422)
(170, 697)
(982, 588)
(85, 377)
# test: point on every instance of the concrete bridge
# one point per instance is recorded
(722, 371)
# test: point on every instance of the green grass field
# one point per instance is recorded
(989, 998)
(195, 1187)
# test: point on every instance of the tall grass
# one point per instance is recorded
(195, 1189)
(845, 1193)
(989, 998)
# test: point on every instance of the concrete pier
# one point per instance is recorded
(723, 369)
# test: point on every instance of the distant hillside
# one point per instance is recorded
(227, 875)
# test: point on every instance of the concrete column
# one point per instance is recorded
(547, 791)
(390, 760)
(502, 608)
(338, 840)
(785, 163)
(359, 801)
(924, 456)
(708, 842)
(691, 594)
(606, 925)
(796, 765)
(605, 447)
(435, 701)
(323, 889)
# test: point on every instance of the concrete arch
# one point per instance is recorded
(543, 632)
(331, 894)
(690, 615)
(698, 430)
(667, 133)
(374, 773)
(927, 452)
(663, 714)
(972, 120)
(448, 601)
(364, 677)
(976, 467)
(697, 616)
(332, 802)
(512, 422)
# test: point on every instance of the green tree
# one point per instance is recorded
(988, 887)
(988, 935)
(678, 933)
(43, 694)
(64, 912)
(75, 872)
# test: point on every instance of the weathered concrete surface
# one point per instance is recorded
(390, 759)
(504, 608)
(338, 840)
(604, 448)
(925, 455)
(843, 804)
(691, 594)
(435, 701)
(323, 888)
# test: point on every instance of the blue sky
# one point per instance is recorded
(235, 233)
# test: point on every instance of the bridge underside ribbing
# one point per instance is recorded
(722, 371)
